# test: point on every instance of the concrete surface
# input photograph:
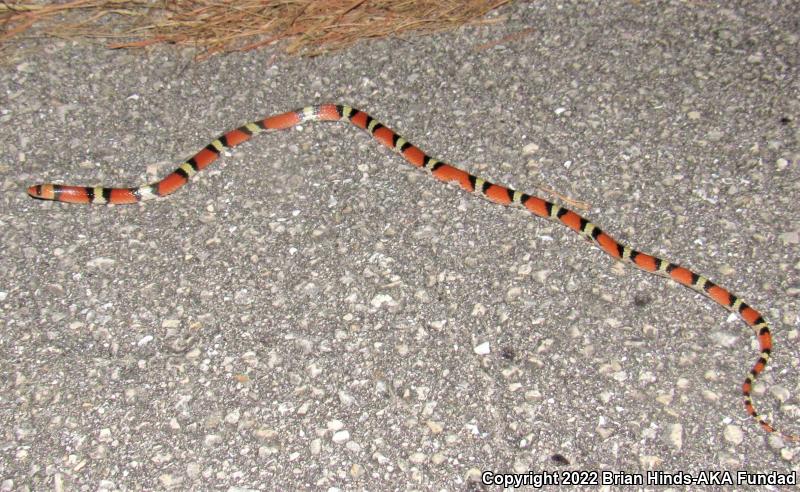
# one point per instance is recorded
(306, 313)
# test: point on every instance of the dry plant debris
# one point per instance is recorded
(308, 27)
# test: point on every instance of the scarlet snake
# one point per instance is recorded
(447, 173)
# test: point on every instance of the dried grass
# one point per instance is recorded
(308, 27)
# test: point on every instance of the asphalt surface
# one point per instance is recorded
(311, 312)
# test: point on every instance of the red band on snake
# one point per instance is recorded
(447, 173)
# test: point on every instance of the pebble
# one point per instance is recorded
(346, 398)
(356, 470)
(434, 426)
(755, 58)
(482, 349)
(335, 425)
(193, 470)
(418, 458)
(341, 436)
(650, 462)
(144, 340)
(675, 436)
(380, 299)
(473, 475)
(779, 392)
(541, 275)
(733, 434)
(792, 237)
(478, 309)
(101, 262)
(726, 269)
(103, 485)
(233, 416)
(529, 149)
(724, 339)
(513, 293)
(212, 440)
(104, 435)
(166, 480)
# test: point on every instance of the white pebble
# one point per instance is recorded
(478, 309)
(482, 349)
(513, 293)
(650, 462)
(434, 426)
(755, 58)
(733, 434)
(105, 435)
(529, 149)
(345, 398)
(792, 237)
(211, 440)
(779, 392)
(233, 417)
(101, 262)
(335, 425)
(417, 458)
(341, 436)
(676, 435)
(381, 299)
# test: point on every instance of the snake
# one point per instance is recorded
(447, 173)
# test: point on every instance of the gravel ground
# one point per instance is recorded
(311, 312)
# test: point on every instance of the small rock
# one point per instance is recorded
(418, 458)
(675, 436)
(101, 262)
(529, 148)
(513, 294)
(335, 425)
(341, 436)
(755, 58)
(792, 237)
(650, 462)
(381, 299)
(733, 434)
(482, 349)
(435, 427)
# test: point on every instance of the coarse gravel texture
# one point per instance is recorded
(312, 312)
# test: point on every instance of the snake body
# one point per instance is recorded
(447, 173)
